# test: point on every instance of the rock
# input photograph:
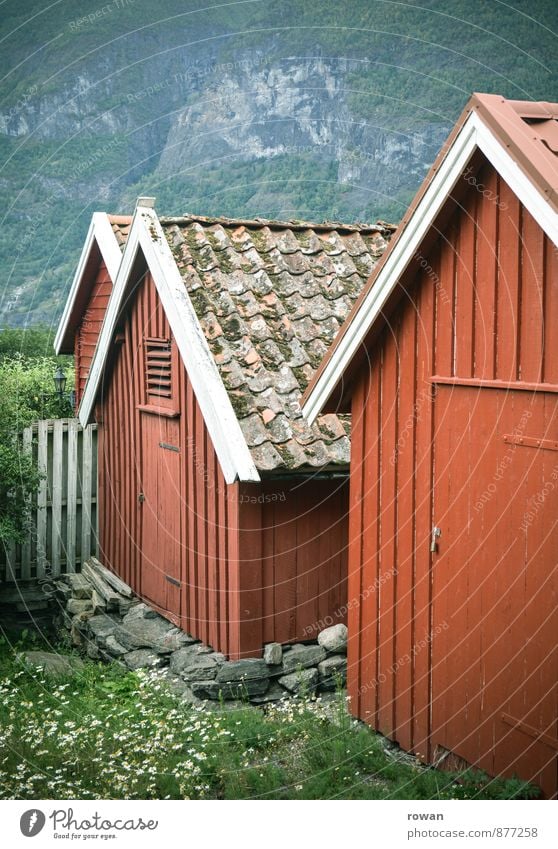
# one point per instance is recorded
(334, 639)
(142, 659)
(176, 639)
(99, 604)
(274, 694)
(179, 688)
(126, 604)
(302, 657)
(185, 657)
(92, 651)
(102, 626)
(63, 590)
(332, 670)
(202, 668)
(304, 681)
(243, 670)
(139, 632)
(218, 657)
(228, 690)
(79, 605)
(114, 648)
(273, 654)
(80, 586)
(58, 665)
(142, 611)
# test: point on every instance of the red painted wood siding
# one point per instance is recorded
(252, 568)
(433, 637)
(89, 328)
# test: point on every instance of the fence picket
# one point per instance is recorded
(86, 481)
(71, 497)
(57, 467)
(55, 446)
(42, 497)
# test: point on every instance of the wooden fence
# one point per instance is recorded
(64, 511)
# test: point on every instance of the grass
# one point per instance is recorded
(106, 733)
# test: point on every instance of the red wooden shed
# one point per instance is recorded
(219, 504)
(449, 364)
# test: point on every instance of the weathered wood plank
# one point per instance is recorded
(109, 577)
(71, 497)
(42, 496)
(57, 469)
(86, 481)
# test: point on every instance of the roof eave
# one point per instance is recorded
(146, 235)
(100, 233)
(469, 134)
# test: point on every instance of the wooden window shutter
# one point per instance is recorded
(158, 369)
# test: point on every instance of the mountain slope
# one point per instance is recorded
(294, 109)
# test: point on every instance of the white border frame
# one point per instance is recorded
(474, 134)
(146, 235)
(100, 231)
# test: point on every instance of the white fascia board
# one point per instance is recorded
(474, 133)
(525, 190)
(85, 412)
(402, 253)
(99, 231)
(220, 419)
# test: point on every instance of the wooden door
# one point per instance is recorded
(160, 507)
(494, 624)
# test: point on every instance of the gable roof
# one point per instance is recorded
(520, 140)
(270, 297)
(252, 305)
(105, 238)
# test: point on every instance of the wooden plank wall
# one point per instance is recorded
(63, 529)
(481, 312)
(252, 570)
(89, 328)
(206, 509)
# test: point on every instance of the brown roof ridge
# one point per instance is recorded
(294, 224)
(120, 219)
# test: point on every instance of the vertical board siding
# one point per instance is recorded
(89, 328)
(253, 565)
(60, 450)
(426, 669)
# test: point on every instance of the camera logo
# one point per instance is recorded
(32, 822)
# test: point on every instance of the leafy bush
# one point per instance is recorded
(26, 394)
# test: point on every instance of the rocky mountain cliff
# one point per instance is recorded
(298, 110)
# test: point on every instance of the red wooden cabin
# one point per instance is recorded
(219, 504)
(449, 364)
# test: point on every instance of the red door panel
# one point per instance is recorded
(160, 574)
(494, 629)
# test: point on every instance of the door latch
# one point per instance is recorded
(141, 498)
(436, 532)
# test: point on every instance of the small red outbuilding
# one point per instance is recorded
(449, 364)
(218, 503)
